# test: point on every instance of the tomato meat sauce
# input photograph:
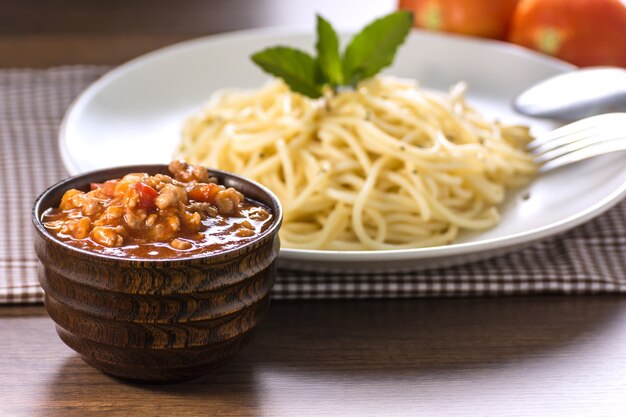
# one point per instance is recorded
(157, 216)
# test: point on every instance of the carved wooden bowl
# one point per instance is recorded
(156, 320)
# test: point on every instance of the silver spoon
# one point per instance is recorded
(576, 94)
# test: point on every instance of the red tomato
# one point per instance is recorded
(147, 195)
(486, 18)
(204, 193)
(583, 32)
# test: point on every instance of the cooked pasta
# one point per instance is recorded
(385, 166)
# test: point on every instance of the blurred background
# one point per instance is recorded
(40, 32)
(46, 33)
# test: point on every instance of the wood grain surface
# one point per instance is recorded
(43, 33)
(540, 356)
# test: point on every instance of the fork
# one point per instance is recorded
(583, 139)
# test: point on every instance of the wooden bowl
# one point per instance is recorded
(156, 320)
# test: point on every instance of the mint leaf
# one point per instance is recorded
(375, 46)
(297, 68)
(328, 52)
(369, 51)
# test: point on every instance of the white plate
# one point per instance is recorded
(134, 114)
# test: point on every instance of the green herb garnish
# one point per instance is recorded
(368, 53)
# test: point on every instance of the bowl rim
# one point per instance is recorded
(271, 231)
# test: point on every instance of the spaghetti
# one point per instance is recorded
(386, 166)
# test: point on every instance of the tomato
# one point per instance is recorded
(583, 32)
(486, 18)
(108, 187)
(147, 195)
(204, 193)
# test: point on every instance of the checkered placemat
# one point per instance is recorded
(590, 258)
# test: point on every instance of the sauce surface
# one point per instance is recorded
(159, 217)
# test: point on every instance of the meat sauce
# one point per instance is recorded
(159, 216)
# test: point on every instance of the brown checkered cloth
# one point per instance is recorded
(589, 259)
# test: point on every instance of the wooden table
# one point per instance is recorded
(543, 356)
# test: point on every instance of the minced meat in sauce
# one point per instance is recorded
(158, 216)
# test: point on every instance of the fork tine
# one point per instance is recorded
(584, 153)
(587, 142)
(564, 140)
(580, 140)
(610, 121)
(561, 132)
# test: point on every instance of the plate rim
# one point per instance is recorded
(288, 254)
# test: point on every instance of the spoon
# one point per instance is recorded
(575, 94)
